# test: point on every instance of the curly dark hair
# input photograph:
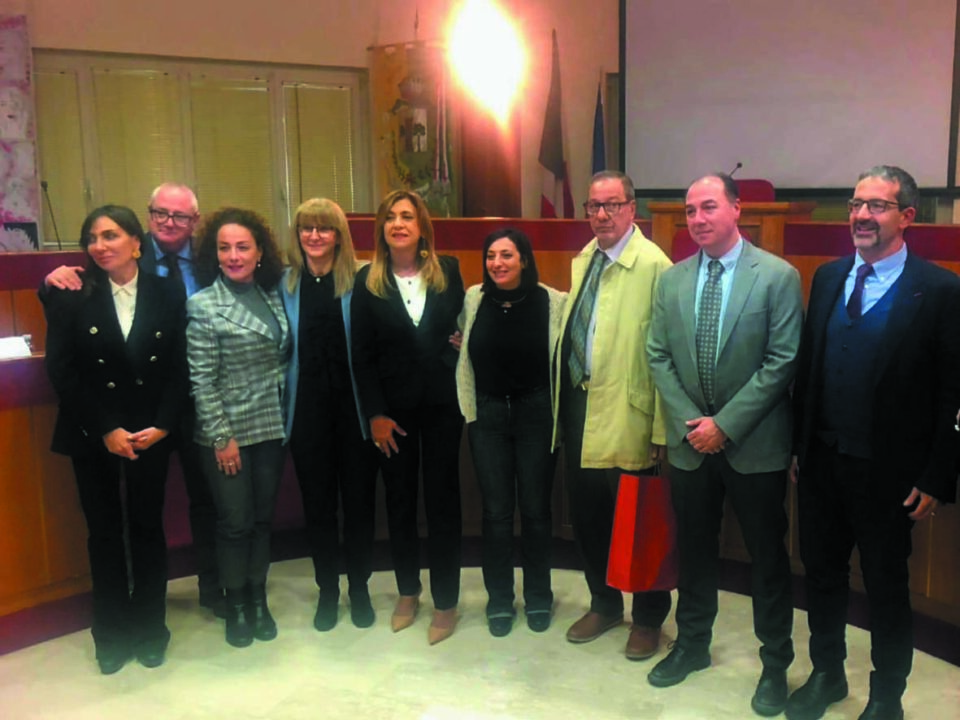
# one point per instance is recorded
(206, 265)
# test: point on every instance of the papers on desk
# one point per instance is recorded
(15, 347)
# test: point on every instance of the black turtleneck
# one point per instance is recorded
(509, 340)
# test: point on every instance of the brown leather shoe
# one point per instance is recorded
(442, 626)
(643, 642)
(405, 612)
(591, 626)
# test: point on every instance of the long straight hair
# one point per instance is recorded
(378, 281)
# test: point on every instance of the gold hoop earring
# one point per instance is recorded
(424, 254)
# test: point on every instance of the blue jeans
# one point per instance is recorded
(510, 443)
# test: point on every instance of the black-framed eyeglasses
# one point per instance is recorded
(610, 208)
(179, 219)
(874, 207)
(319, 229)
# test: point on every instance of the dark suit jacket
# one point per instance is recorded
(104, 382)
(916, 376)
(398, 364)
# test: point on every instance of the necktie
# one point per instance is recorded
(855, 303)
(580, 320)
(170, 261)
(708, 328)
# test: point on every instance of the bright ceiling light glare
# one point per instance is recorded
(487, 56)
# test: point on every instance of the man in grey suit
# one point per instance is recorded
(722, 345)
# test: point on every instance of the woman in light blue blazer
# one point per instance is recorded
(238, 342)
(327, 439)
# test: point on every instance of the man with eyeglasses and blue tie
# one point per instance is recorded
(874, 404)
(173, 215)
(608, 407)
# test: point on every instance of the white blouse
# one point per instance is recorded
(414, 294)
(125, 303)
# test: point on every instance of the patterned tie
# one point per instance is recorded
(580, 320)
(708, 328)
(855, 303)
(170, 261)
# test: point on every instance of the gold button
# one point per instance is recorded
(110, 386)
(159, 335)
(139, 381)
(101, 361)
(93, 330)
(153, 358)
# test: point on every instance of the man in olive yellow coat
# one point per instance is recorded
(608, 407)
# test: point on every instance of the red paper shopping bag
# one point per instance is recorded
(643, 546)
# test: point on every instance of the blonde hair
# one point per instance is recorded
(323, 213)
(427, 263)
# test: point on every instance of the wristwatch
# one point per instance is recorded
(220, 442)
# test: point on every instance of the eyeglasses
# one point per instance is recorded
(319, 229)
(610, 208)
(179, 219)
(874, 207)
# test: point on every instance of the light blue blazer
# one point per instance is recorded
(291, 304)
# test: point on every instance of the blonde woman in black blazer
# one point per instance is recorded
(405, 308)
(238, 344)
(115, 356)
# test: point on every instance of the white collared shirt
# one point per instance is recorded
(729, 262)
(414, 295)
(125, 303)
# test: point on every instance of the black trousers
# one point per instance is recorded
(334, 462)
(202, 510)
(758, 499)
(510, 444)
(431, 446)
(593, 499)
(128, 608)
(245, 504)
(842, 505)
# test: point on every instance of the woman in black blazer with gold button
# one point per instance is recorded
(115, 356)
(405, 307)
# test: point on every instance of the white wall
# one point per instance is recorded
(337, 33)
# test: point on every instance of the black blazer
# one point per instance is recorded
(398, 364)
(916, 377)
(104, 382)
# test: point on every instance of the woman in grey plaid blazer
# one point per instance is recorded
(238, 343)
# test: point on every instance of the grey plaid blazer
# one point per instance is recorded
(236, 369)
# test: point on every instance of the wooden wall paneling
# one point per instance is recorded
(944, 558)
(22, 543)
(65, 529)
(28, 317)
(6, 313)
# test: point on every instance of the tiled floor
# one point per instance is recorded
(357, 674)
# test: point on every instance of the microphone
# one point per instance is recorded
(53, 220)
(739, 165)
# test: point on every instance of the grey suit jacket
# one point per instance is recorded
(237, 369)
(756, 360)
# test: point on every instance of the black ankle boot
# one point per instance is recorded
(239, 631)
(264, 626)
